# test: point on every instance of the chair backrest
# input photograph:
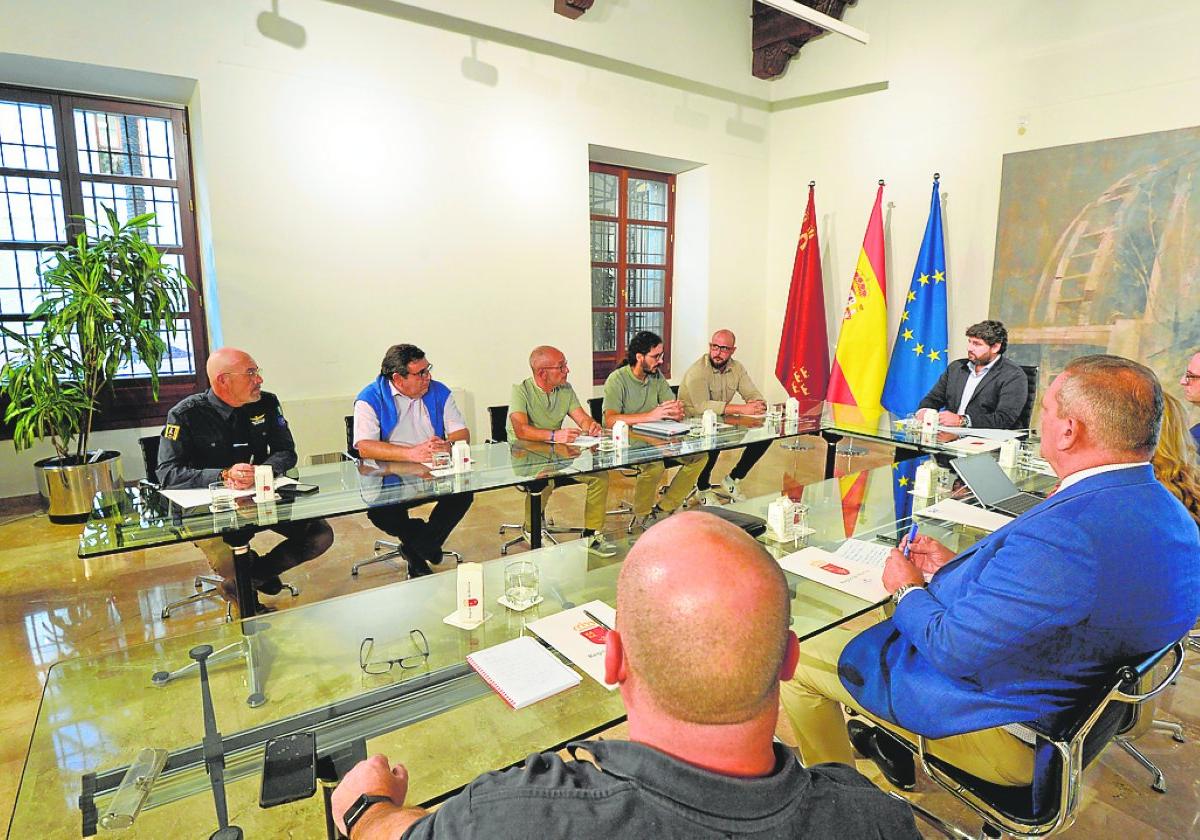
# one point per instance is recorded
(1031, 374)
(498, 418)
(350, 450)
(596, 407)
(149, 447)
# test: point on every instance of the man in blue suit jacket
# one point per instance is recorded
(1023, 624)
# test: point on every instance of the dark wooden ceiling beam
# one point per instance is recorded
(572, 8)
(777, 37)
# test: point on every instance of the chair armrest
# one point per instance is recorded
(1144, 668)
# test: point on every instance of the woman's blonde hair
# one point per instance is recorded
(1175, 459)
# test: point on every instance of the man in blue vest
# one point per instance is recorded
(404, 417)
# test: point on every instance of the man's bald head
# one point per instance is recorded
(702, 611)
(234, 376)
(544, 356)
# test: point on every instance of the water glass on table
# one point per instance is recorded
(521, 581)
(224, 497)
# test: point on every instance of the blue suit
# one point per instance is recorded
(1019, 627)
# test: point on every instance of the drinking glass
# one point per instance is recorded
(521, 584)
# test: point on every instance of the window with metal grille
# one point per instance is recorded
(64, 156)
(633, 234)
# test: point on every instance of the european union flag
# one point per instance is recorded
(903, 475)
(921, 347)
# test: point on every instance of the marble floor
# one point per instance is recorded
(54, 606)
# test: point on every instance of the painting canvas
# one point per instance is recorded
(1098, 251)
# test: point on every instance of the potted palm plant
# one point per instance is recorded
(108, 300)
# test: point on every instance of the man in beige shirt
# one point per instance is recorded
(712, 383)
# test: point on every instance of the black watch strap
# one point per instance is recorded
(354, 812)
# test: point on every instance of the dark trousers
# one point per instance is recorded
(302, 541)
(422, 539)
(750, 456)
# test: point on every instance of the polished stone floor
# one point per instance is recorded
(55, 606)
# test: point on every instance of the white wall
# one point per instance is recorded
(962, 77)
(368, 189)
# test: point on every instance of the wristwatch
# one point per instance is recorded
(966, 420)
(354, 812)
(904, 590)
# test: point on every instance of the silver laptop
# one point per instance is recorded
(662, 428)
(991, 486)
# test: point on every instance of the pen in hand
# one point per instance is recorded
(912, 533)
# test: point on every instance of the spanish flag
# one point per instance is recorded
(861, 359)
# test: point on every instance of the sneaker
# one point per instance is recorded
(710, 497)
(733, 488)
(645, 521)
(601, 546)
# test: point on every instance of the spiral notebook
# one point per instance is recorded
(522, 671)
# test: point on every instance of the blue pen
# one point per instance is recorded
(912, 532)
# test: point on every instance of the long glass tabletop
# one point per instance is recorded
(142, 517)
(440, 719)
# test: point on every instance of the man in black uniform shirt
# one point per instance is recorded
(700, 646)
(219, 436)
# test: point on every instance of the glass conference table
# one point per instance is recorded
(143, 517)
(300, 672)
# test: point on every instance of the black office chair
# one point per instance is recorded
(498, 420)
(386, 551)
(1048, 805)
(1026, 415)
(207, 586)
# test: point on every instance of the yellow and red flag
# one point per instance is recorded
(861, 358)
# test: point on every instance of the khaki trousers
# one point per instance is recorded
(811, 701)
(594, 506)
(649, 475)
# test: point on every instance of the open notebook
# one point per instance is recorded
(522, 671)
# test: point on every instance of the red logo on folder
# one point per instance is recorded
(835, 569)
(595, 634)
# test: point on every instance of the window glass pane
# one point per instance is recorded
(31, 210)
(177, 261)
(124, 144)
(25, 328)
(646, 244)
(647, 200)
(604, 194)
(604, 241)
(604, 332)
(178, 359)
(20, 288)
(129, 200)
(27, 136)
(604, 287)
(635, 322)
(646, 287)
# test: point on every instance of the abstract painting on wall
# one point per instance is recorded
(1098, 251)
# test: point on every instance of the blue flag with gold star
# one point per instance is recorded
(903, 475)
(919, 354)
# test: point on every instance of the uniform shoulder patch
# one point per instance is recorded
(171, 431)
(258, 419)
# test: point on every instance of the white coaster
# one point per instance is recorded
(454, 621)
(504, 602)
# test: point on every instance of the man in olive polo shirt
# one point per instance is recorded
(711, 383)
(536, 411)
(637, 392)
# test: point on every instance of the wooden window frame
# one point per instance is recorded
(131, 404)
(604, 363)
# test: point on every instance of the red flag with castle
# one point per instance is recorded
(803, 363)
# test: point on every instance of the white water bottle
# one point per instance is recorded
(620, 434)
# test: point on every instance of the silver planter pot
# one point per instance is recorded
(70, 489)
